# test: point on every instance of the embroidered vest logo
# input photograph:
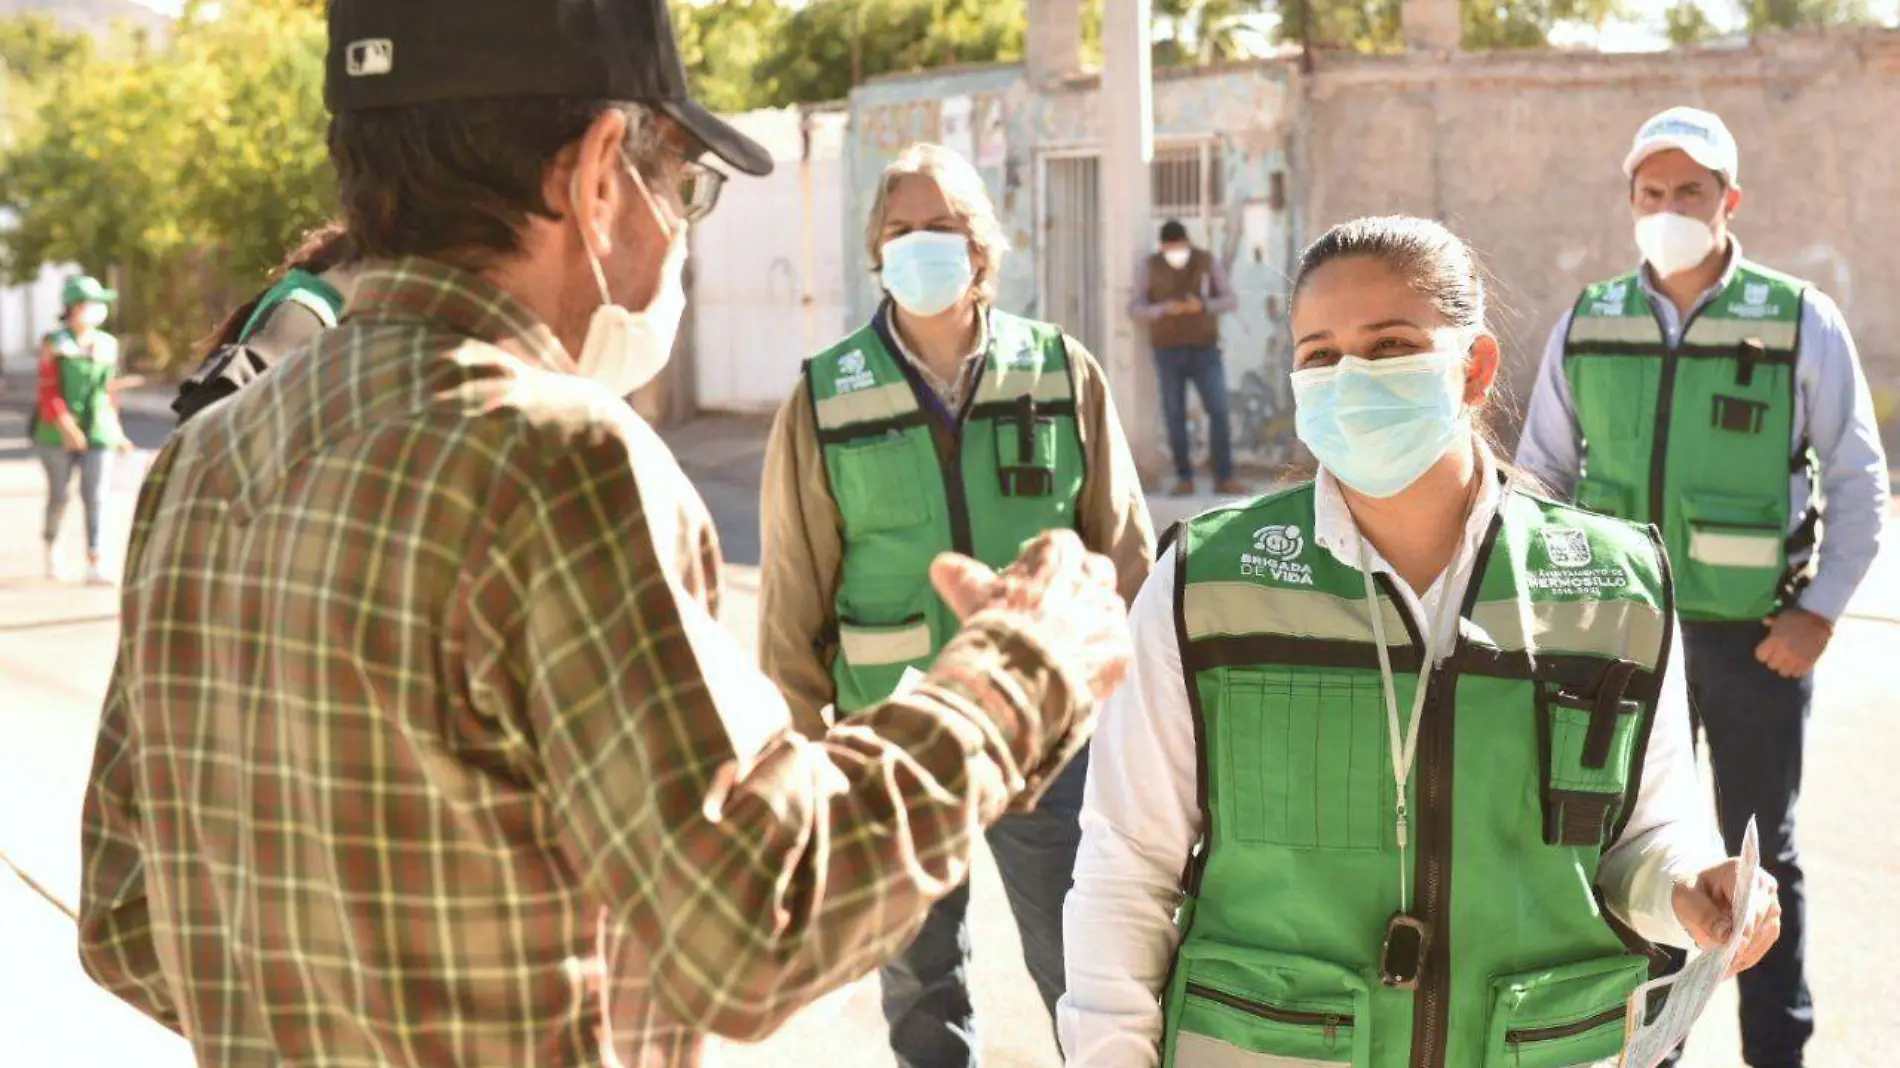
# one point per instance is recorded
(1611, 300)
(853, 375)
(1567, 548)
(1275, 551)
(1569, 552)
(1754, 303)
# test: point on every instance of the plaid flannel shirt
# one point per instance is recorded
(421, 721)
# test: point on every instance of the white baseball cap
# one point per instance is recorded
(1699, 134)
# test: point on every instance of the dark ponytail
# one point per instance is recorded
(322, 249)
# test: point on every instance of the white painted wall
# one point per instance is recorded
(27, 313)
(768, 265)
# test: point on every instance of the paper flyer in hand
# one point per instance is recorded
(1689, 990)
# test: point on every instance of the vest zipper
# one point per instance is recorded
(1665, 401)
(954, 495)
(1330, 1022)
(1528, 1035)
(1431, 1006)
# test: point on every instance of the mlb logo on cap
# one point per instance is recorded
(366, 59)
(1701, 135)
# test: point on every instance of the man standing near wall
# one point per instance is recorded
(1181, 292)
(1710, 395)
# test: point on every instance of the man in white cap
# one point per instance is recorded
(1712, 396)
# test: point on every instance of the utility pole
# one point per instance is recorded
(1128, 151)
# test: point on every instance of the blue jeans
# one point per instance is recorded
(1201, 365)
(927, 991)
(1755, 723)
(59, 464)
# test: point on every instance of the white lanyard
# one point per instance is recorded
(1405, 738)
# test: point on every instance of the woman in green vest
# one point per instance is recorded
(1401, 776)
(75, 421)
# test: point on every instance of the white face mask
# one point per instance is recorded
(94, 315)
(1177, 258)
(625, 349)
(1673, 243)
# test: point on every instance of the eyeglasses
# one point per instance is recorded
(699, 189)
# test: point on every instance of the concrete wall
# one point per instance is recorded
(1521, 155)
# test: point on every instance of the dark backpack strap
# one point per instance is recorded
(228, 369)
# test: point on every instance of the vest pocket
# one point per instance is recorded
(1306, 759)
(1735, 556)
(872, 656)
(1025, 456)
(1568, 1016)
(1589, 745)
(878, 485)
(1237, 1007)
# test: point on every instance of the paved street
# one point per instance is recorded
(56, 650)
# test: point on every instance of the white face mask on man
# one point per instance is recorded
(625, 349)
(1176, 258)
(1674, 243)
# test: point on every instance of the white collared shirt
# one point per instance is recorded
(1140, 817)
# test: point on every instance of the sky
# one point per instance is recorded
(1642, 34)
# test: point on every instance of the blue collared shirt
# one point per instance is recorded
(1834, 413)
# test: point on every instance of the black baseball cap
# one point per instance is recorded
(393, 53)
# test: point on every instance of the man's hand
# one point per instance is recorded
(125, 382)
(74, 438)
(1705, 905)
(1796, 639)
(1065, 596)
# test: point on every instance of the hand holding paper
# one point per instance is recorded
(1732, 912)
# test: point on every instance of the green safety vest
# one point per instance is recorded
(1696, 438)
(85, 373)
(1529, 757)
(1016, 470)
(302, 288)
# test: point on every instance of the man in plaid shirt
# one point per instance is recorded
(421, 721)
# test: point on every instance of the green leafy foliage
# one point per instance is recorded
(191, 168)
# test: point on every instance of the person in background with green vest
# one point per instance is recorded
(306, 296)
(943, 424)
(76, 422)
(1400, 776)
(1713, 397)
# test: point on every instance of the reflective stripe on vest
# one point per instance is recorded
(1529, 761)
(1696, 438)
(1016, 470)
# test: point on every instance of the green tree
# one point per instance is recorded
(1370, 26)
(723, 44)
(1686, 24)
(1208, 31)
(1805, 14)
(828, 46)
(1504, 24)
(190, 168)
(34, 47)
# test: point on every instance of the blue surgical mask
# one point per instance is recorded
(1378, 425)
(926, 273)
